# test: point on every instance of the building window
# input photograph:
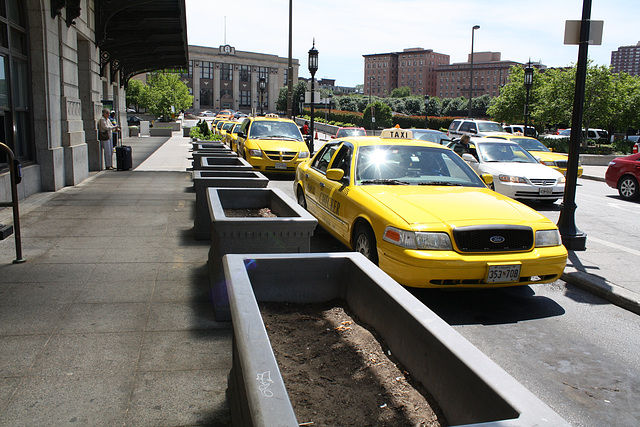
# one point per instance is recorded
(206, 71)
(206, 97)
(226, 72)
(263, 72)
(245, 73)
(245, 98)
(15, 90)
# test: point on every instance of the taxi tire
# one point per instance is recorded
(364, 241)
(302, 201)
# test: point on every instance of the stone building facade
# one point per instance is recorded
(225, 78)
(61, 61)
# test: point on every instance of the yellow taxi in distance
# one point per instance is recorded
(557, 161)
(424, 216)
(226, 127)
(271, 144)
(231, 137)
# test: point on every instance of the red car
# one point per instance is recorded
(345, 132)
(623, 173)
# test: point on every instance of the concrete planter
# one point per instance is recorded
(155, 131)
(468, 386)
(289, 232)
(206, 146)
(186, 131)
(197, 156)
(202, 180)
(227, 163)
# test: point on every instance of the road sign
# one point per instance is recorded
(572, 32)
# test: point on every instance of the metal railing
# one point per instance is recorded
(15, 177)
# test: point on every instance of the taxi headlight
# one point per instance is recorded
(509, 178)
(255, 153)
(549, 163)
(303, 155)
(546, 238)
(417, 240)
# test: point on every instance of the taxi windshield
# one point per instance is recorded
(267, 129)
(530, 144)
(490, 127)
(509, 153)
(412, 165)
(351, 132)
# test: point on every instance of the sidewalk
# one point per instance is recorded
(109, 321)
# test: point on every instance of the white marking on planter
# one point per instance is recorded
(265, 383)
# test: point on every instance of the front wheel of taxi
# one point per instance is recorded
(365, 243)
(302, 201)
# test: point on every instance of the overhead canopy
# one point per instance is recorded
(137, 36)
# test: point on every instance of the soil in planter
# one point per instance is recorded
(249, 212)
(337, 373)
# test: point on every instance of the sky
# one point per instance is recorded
(344, 30)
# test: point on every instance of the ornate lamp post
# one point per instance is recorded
(426, 111)
(313, 67)
(262, 85)
(528, 82)
(475, 27)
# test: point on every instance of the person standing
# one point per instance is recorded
(105, 135)
(114, 122)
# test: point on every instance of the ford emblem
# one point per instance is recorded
(496, 239)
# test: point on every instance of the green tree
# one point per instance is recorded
(165, 93)
(627, 102)
(299, 90)
(401, 92)
(508, 107)
(381, 113)
(133, 93)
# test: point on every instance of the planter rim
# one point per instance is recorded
(217, 210)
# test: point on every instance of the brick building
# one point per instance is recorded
(626, 59)
(414, 67)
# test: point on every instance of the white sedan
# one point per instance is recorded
(516, 173)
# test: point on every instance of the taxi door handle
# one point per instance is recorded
(322, 184)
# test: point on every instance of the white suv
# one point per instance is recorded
(473, 127)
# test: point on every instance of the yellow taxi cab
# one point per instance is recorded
(271, 144)
(226, 127)
(231, 137)
(424, 216)
(557, 161)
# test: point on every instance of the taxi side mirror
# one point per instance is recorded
(335, 174)
(487, 178)
(241, 134)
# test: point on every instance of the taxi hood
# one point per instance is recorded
(275, 144)
(452, 206)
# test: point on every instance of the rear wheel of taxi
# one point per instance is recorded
(365, 243)
(628, 188)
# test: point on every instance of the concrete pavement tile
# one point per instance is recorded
(184, 290)
(40, 293)
(83, 242)
(125, 272)
(180, 398)
(31, 247)
(31, 319)
(83, 354)
(7, 387)
(135, 254)
(114, 292)
(180, 351)
(87, 400)
(18, 352)
(182, 317)
(72, 255)
(95, 318)
(34, 271)
(46, 228)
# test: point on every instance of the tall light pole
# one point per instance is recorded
(528, 82)
(475, 27)
(313, 67)
(290, 65)
(262, 84)
(426, 111)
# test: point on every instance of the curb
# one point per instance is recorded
(599, 287)
(593, 178)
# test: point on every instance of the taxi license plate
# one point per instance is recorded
(281, 165)
(503, 273)
(546, 190)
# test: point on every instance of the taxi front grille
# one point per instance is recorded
(482, 238)
(543, 182)
(281, 156)
(561, 164)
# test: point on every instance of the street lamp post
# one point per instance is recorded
(475, 27)
(370, 91)
(528, 82)
(313, 67)
(426, 111)
(262, 85)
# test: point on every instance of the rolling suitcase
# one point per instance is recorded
(124, 161)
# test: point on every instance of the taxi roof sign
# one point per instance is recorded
(397, 133)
